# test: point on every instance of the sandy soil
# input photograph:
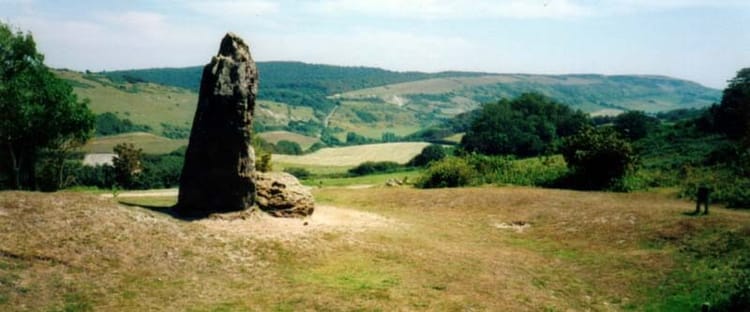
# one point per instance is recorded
(325, 219)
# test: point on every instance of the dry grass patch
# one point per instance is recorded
(369, 249)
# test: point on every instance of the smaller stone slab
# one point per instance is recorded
(281, 195)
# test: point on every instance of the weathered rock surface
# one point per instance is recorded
(220, 161)
(281, 195)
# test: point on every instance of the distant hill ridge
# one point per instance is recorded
(312, 85)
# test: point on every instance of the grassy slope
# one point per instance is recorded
(389, 249)
(152, 104)
(148, 104)
(151, 144)
(591, 93)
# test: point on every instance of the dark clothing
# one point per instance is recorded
(704, 194)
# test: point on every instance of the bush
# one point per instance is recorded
(299, 173)
(448, 172)
(598, 158)
(371, 167)
(109, 124)
(175, 132)
(429, 154)
(288, 148)
(635, 125)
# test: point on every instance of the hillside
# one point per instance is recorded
(456, 91)
(305, 98)
(482, 249)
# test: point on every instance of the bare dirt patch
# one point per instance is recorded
(325, 219)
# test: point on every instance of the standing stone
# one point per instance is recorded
(220, 161)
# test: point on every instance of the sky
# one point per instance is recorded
(706, 41)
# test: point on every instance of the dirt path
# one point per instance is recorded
(328, 117)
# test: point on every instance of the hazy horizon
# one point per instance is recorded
(699, 40)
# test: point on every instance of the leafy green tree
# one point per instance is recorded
(109, 124)
(635, 125)
(128, 164)
(430, 153)
(528, 125)
(40, 111)
(732, 116)
(597, 157)
(288, 148)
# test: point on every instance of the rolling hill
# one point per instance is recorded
(453, 92)
(305, 98)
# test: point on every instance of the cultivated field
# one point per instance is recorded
(478, 249)
(355, 155)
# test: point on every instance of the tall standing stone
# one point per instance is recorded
(220, 161)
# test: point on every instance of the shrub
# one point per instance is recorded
(371, 167)
(288, 148)
(448, 172)
(127, 164)
(635, 125)
(429, 154)
(299, 173)
(598, 158)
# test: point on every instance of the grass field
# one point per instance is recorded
(480, 249)
(350, 156)
(150, 143)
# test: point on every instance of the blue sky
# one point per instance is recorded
(706, 41)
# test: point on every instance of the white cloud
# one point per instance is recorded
(369, 47)
(235, 8)
(133, 39)
(517, 9)
(455, 9)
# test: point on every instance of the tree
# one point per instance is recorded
(40, 111)
(429, 154)
(597, 157)
(528, 125)
(635, 125)
(128, 164)
(732, 116)
(288, 148)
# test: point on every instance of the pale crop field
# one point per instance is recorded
(355, 155)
